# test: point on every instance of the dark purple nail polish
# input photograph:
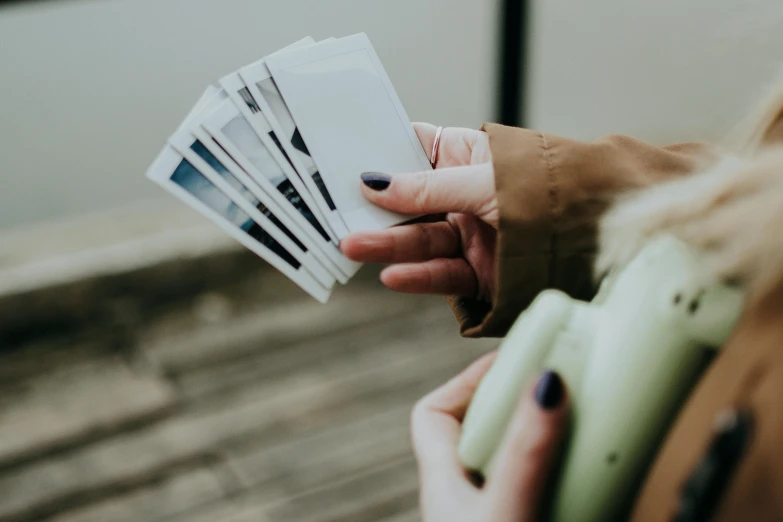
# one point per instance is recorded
(376, 180)
(549, 390)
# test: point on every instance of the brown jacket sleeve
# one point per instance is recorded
(551, 191)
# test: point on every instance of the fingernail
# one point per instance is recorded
(549, 390)
(376, 180)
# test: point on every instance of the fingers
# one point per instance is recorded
(426, 133)
(458, 145)
(437, 276)
(436, 422)
(530, 448)
(403, 244)
(468, 189)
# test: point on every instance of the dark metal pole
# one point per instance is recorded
(513, 56)
(8, 3)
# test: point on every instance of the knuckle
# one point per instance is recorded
(425, 239)
(432, 275)
(420, 189)
(538, 449)
(418, 416)
(480, 151)
(536, 443)
(418, 412)
(449, 279)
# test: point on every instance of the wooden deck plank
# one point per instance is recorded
(378, 493)
(327, 455)
(314, 353)
(246, 401)
(249, 508)
(76, 402)
(273, 406)
(157, 501)
(412, 515)
(201, 344)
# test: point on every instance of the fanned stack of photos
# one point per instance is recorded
(274, 155)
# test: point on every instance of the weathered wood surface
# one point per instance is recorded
(251, 403)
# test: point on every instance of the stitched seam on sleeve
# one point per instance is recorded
(553, 197)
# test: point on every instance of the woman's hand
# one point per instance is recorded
(454, 253)
(513, 491)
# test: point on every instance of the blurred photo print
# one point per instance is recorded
(183, 179)
(344, 81)
(238, 152)
(288, 139)
(250, 202)
(190, 179)
(228, 125)
(249, 101)
(237, 185)
(279, 109)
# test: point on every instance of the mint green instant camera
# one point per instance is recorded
(628, 358)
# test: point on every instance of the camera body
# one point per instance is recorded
(628, 358)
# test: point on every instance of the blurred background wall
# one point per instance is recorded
(661, 70)
(90, 90)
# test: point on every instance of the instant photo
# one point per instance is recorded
(258, 118)
(346, 110)
(242, 135)
(183, 180)
(219, 175)
(244, 191)
(264, 163)
(266, 166)
(287, 137)
(190, 179)
(324, 260)
(273, 155)
(239, 132)
(278, 107)
(327, 252)
(213, 162)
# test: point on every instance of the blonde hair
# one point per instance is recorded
(762, 126)
(732, 212)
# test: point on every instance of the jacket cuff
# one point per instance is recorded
(525, 257)
(551, 193)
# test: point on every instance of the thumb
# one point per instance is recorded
(468, 189)
(529, 451)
